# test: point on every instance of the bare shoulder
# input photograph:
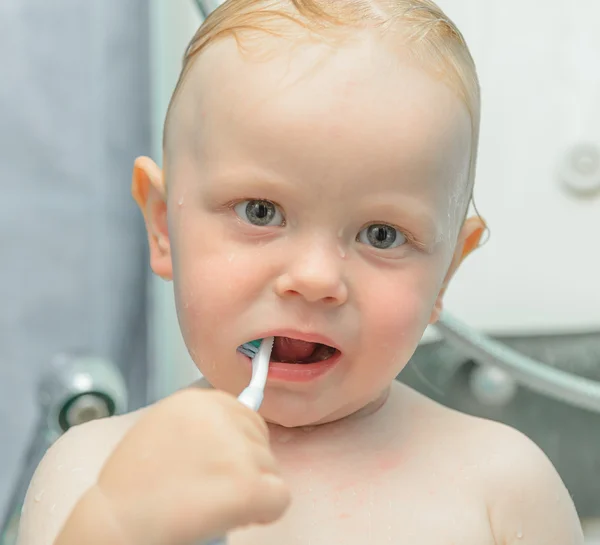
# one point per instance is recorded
(69, 468)
(527, 501)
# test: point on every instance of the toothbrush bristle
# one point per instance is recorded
(249, 349)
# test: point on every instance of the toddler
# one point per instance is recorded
(319, 159)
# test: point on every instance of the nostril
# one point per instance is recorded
(329, 300)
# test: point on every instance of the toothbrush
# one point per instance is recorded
(250, 349)
(260, 352)
(252, 396)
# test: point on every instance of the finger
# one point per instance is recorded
(233, 505)
(272, 501)
(254, 434)
(240, 412)
(253, 419)
(266, 462)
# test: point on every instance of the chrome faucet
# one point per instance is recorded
(534, 375)
(73, 390)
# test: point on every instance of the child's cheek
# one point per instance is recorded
(397, 315)
(206, 287)
(215, 291)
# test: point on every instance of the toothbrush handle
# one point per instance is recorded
(252, 396)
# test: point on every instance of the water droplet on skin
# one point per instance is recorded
(38, 497)
(230, 257)
(180, 201)
(519, 535)
(52, 508)
(342, 252)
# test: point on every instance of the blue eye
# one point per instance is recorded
(259, 212)
(381, 236)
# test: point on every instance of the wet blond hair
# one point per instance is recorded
(432, 38)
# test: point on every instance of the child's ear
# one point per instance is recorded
(468, 240)
(148, 190)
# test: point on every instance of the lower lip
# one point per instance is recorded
(298, 372)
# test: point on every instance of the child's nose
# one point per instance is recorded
(315, 274)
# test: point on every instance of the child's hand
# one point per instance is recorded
(195, 466)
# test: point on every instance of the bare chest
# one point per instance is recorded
(374, 497)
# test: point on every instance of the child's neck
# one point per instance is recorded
(331, 423)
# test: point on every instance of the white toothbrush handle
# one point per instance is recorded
(252, 396)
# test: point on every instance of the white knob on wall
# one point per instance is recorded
(492, 386)
(580, 169)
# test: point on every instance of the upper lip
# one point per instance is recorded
(302, 336)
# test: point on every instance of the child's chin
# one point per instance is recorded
(290, 422)
(287, 415)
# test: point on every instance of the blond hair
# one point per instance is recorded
(432, 37)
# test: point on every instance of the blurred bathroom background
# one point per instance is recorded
(83, 90)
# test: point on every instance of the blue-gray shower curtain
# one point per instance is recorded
(74, 113)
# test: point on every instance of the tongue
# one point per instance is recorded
(285, 349)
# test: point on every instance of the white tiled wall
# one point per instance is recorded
(539, 64)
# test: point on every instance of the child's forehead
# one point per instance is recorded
(357, 101)
(355, 87)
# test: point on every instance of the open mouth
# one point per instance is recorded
(288, 350)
